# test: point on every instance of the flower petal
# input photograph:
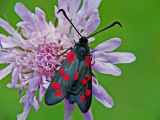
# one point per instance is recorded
(35, 103)
(23, 12)
(88, 115)
(119, 57)
(92, 5)
(106, 68)
(91, 39)
(4, 72)
(63, 4)
(39, 12)
(109, 45)
(92, 27)
(102, 96)
(41, 93)
(46, 82)
(83, 11)
(8, 42)
(41, 17)
(6, 26)
(26, 110)
(69, 108)
(6, 57)
(73, 6)
(95, 14)
(15, 74)
(34, 83)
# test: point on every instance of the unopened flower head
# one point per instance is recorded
(30, 54)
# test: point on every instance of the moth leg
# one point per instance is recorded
(75, 42)
(62, 53)
(93, 63)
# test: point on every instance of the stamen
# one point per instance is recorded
(20, 91)
(93, 51)
(58, 61)
(1, 45)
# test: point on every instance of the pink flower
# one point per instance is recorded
(31, 62)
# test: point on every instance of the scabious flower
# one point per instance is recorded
(29, 53)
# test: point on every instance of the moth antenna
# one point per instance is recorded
(62, 53)
(106, 28)
(64, 13)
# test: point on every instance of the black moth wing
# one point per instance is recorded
(59, 88)
(84, 85)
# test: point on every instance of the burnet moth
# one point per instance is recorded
(73, 80)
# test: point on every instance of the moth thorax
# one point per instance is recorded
(82, 52)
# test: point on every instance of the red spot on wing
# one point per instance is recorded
(58, 93)
(62, 71)
(89, 77)
(83, 98)
(71, 59)
(65, 77)
(76, 76)
(88, 61)
(55, 85)
(69, 55)
(84, 81)
(88, 92)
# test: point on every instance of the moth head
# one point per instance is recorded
(83, 40)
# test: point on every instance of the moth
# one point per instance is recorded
(73, 80)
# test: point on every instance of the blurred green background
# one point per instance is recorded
(136, 92)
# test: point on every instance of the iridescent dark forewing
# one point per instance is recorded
(61, 84)
(84, 85)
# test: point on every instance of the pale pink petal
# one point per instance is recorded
(106, 68)
(83, 11)
(63, 24)
(6, 57)
(14, 85)
(63, 4)
(92, 5)
(40, 12)
(16, 51)
(29, 97)
(22, 24)
(4, 72)
(41, 93)
(109, 45)
(34, 83)
(95, 14)
(101, 95)
(76, 23)
(91, 39)
(95, 83)
(23, 12)
(8, 42)
(15, 74)
(26, 110)
(88, 115)
(34, 103)
(41, 17)
(119, 57)
(46, 81)
(92, 27)
(6, 26)
(69, 108)
(73, 6)
(25, 98)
